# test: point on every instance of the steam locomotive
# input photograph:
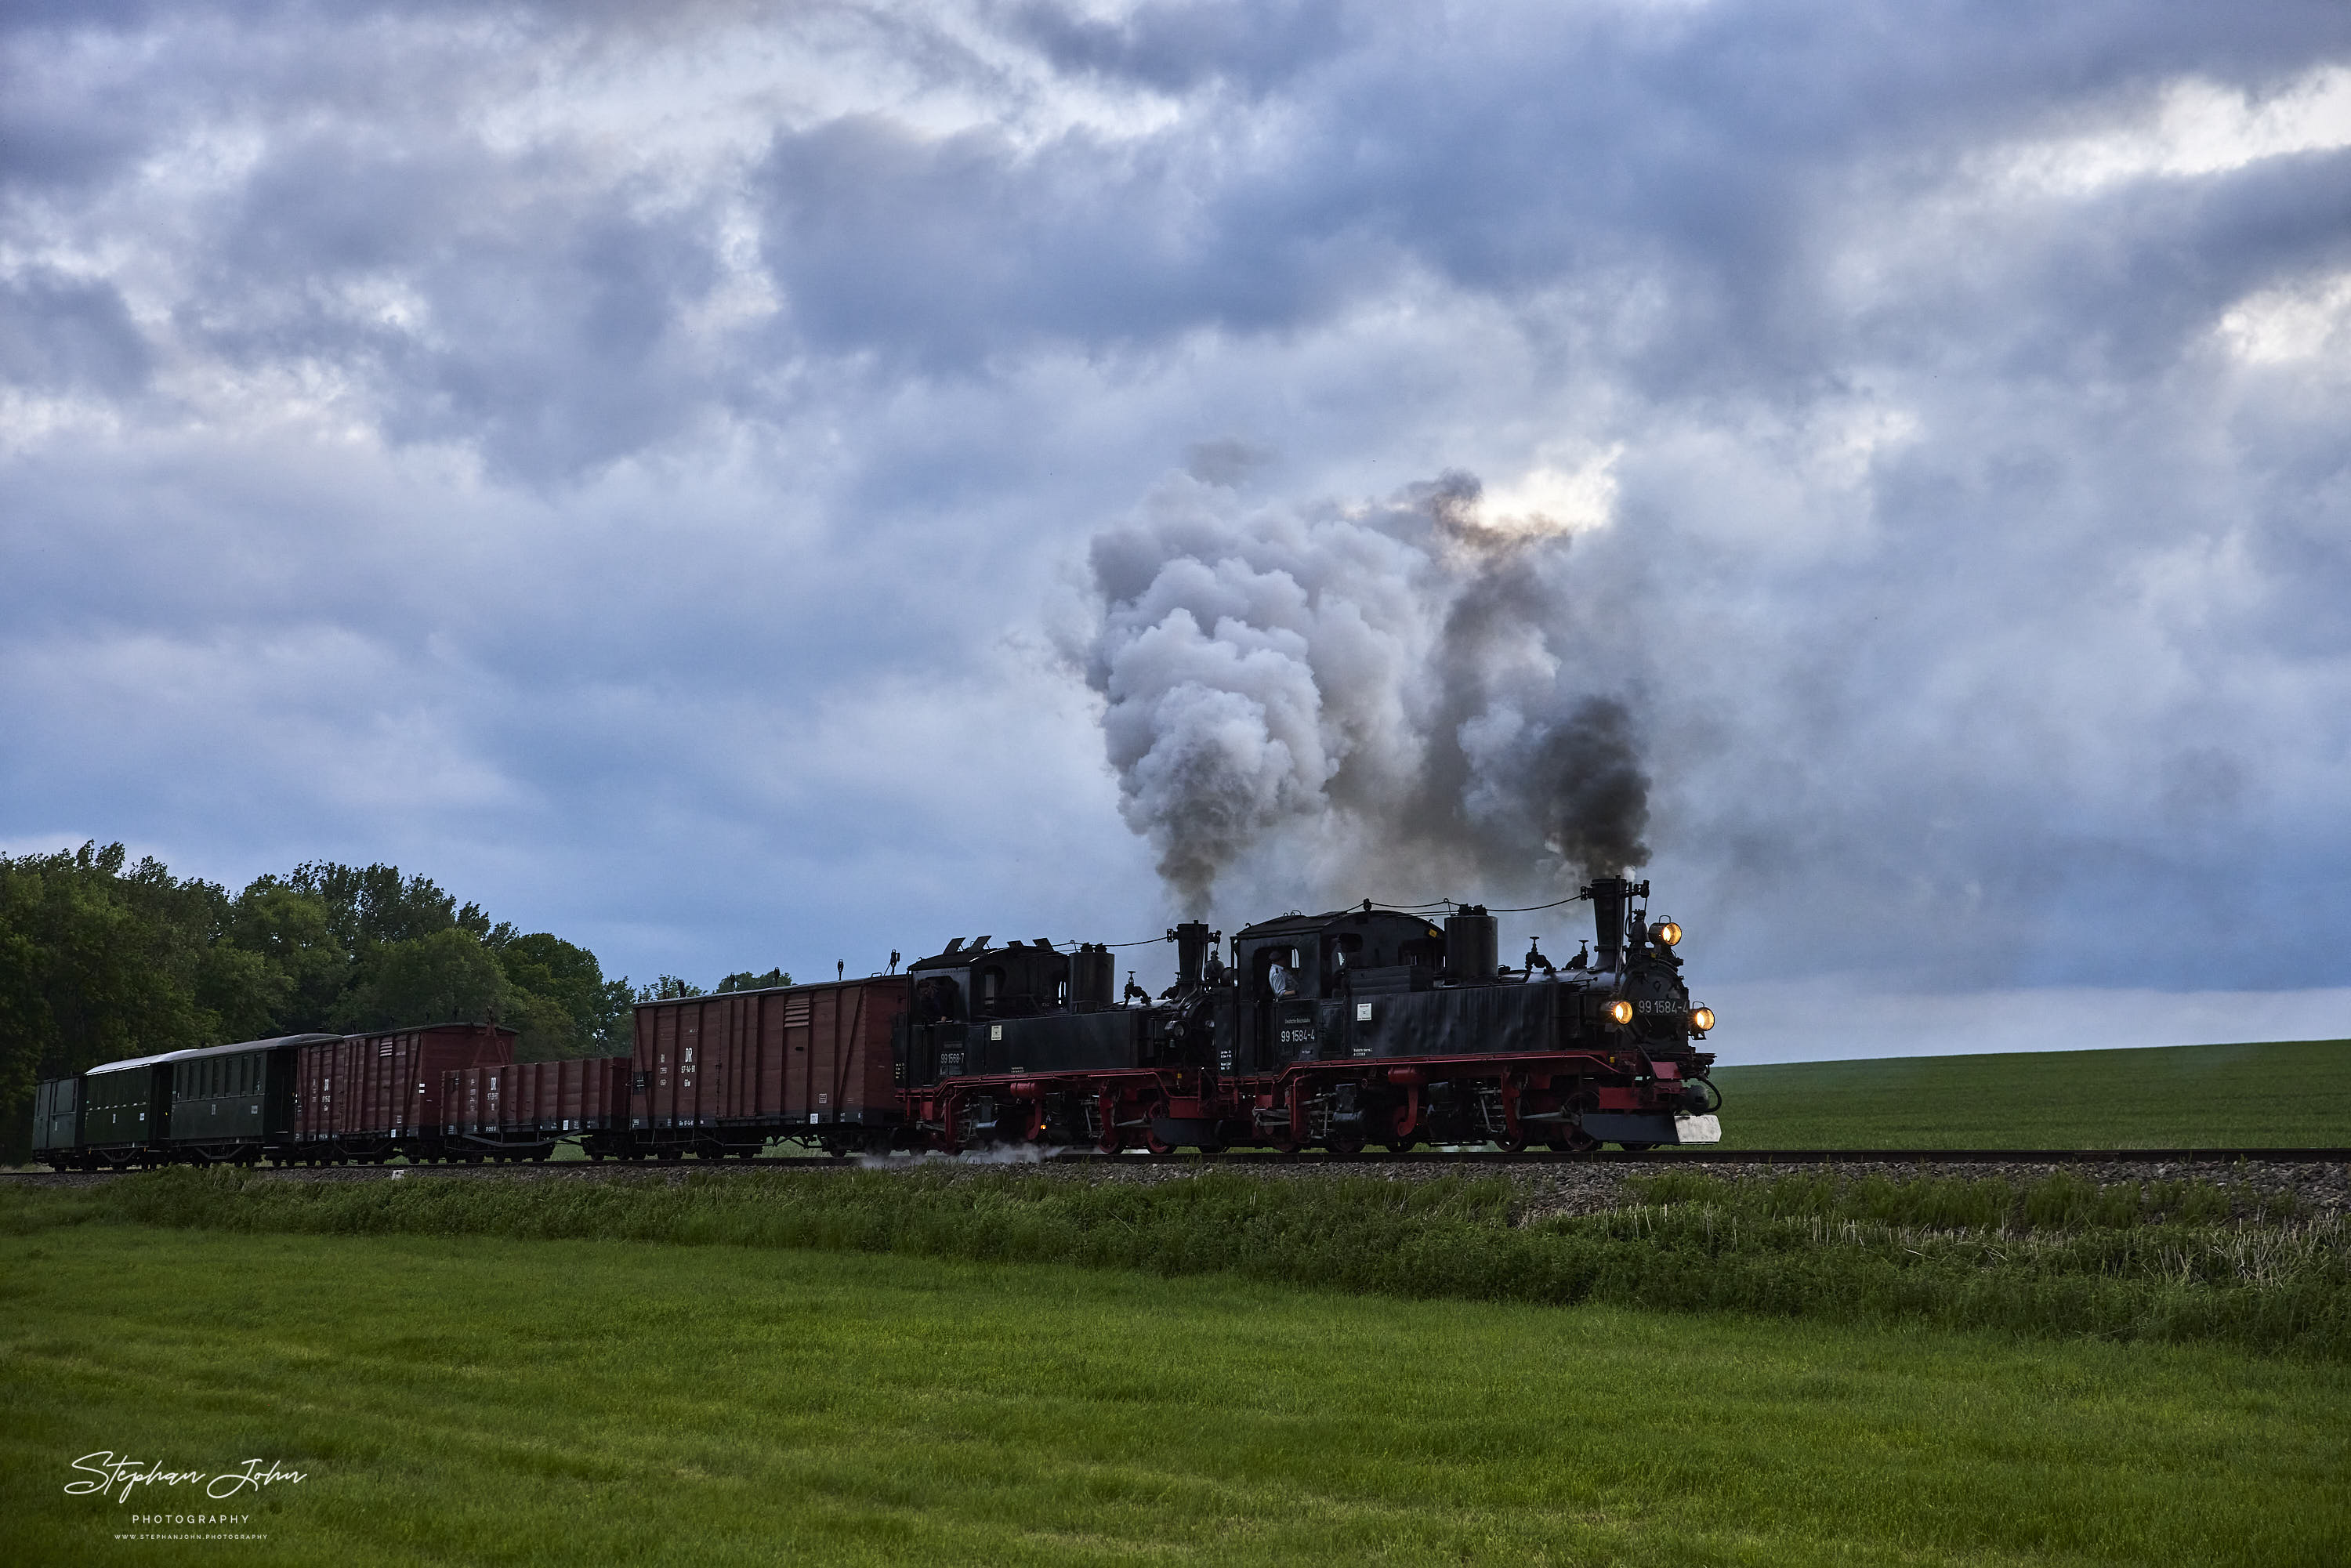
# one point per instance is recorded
(1360, 1027)
(1356, 1028)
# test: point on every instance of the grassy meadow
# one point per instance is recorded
(2057, 1258)
(473, 1399)
(2289, 1094)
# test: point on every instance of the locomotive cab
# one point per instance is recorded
(1023, 1007)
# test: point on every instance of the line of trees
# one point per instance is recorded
(101, 960)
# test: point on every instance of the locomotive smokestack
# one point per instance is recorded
(1607, 896)
(1191, 951)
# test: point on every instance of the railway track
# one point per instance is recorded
(1367, 1161)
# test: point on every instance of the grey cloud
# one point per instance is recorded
(942, 252)
(1179, 48)
(65, 334)
(1227, 461)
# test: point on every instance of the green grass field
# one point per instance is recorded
(2174, 1262)
(482, 1401)
(2291, 1094)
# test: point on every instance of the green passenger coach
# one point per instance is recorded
(125, 1107)
(223, 1103)
(57, 1117)
(234, 1103)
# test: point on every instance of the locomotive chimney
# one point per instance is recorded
(1472, 946)
(1607, 896)
(1191, 952)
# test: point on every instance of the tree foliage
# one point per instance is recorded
(747, 981)
(101, 959)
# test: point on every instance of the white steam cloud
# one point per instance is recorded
(1389, 693)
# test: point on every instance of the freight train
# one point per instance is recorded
(1365, 1027)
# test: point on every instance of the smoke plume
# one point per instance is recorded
(1389, 693)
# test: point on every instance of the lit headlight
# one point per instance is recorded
(1702, 1019)
(1666, 933)
(1620, 1012)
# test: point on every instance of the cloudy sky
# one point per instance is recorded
(741, 485)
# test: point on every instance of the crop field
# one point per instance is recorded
(480, 1400)
(2291, 1094)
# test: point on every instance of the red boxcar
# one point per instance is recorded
(531, 1106)
(734, 1070)
(583, 1095)
(370, 1096)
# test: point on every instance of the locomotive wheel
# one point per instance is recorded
(1344, 1143)
(1516, 1145)
(1401, 1146)
(1159, 1147)
(1636, 1148)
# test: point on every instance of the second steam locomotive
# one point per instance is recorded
(1365, 1027)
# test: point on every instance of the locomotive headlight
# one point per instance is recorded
(1666, 933)
(1702, 1019)
(1620, 1012)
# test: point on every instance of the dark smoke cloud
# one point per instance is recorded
(1387, 693)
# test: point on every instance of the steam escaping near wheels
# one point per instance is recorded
(1400, 691)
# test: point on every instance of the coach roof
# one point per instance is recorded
(283, 1039)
